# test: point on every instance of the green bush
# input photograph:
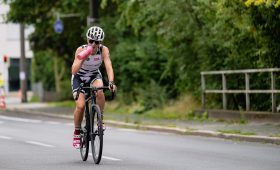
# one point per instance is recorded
(151, 96)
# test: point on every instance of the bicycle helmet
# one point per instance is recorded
(95, 33)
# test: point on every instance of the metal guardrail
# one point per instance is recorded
(246, 91)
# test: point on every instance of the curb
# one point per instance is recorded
(204, 133)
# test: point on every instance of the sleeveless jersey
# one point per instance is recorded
(91, 65)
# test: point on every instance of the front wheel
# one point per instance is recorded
(84, 142)
(96, 134)
(84, 145)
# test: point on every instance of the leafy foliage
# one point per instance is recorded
(267, 3)
(42, 64)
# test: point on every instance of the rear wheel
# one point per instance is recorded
(84, 142)
(96, 134)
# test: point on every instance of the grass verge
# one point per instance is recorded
(275, 135)
(239, 132)
(181, 109)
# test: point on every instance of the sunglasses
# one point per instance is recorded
(93, 41)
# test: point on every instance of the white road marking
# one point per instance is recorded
(128, 130)
(39, 144)
(110, 158)
(107, 157)
(53, 123)
(69, 124)
(20, 119)
(5, 137)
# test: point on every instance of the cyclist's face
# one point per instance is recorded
(94, 43)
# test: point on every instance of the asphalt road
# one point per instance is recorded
(35, 142)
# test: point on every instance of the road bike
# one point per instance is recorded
(92, 125)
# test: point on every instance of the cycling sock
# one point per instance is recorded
(77, 129)
(77, 137)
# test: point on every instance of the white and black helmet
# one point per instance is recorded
(95, 33)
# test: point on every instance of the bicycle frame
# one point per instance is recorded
(92, 114)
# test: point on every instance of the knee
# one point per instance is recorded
(100, 94)
(80, 106)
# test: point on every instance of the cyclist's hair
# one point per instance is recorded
(95, 33)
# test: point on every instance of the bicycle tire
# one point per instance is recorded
(96, 134)
(84, 148)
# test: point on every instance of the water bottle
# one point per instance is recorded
(85, 53)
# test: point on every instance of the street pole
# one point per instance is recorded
(22, 74)
(93, 12)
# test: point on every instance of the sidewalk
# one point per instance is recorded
(253, 131)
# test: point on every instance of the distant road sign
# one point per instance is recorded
(58, 26)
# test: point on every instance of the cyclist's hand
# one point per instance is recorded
(112, 86)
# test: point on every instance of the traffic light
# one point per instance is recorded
(5, 59)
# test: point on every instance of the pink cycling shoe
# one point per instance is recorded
(76, 139)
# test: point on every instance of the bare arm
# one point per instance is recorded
(77, 62)
(108, 63)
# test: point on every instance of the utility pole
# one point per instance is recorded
(93, 12)
(22, 74)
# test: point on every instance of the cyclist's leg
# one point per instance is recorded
(100, 98)
(97, 82)
(79, 110)
(78, 117)
(80, 102)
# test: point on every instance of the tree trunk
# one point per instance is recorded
(58, 74)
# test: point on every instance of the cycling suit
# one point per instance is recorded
(88, 72)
